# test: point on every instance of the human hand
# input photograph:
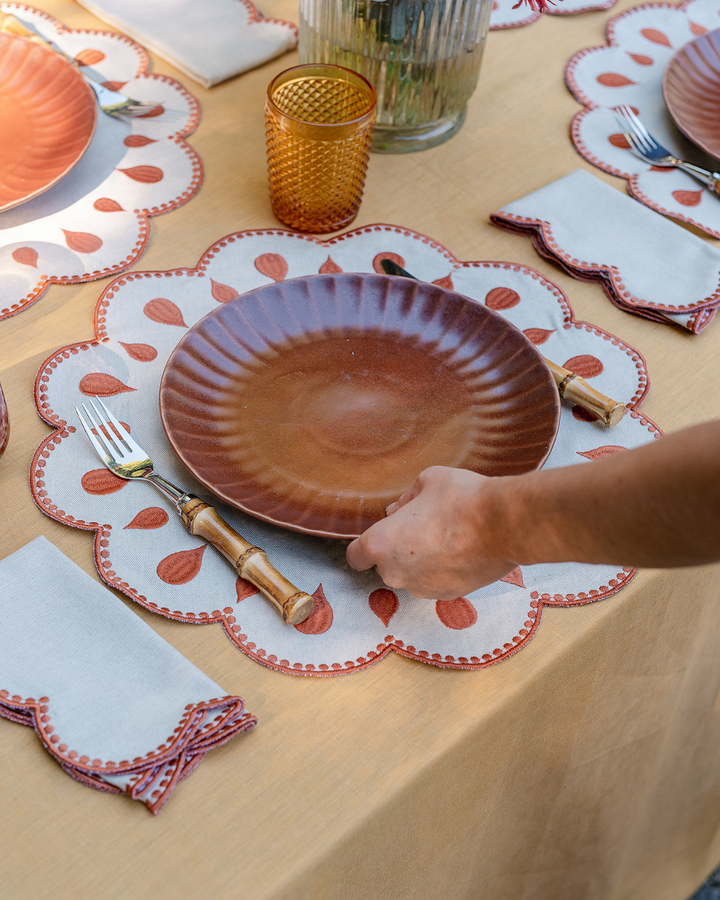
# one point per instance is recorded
(437, 541)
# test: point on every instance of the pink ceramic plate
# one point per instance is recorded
(314, 403)
(691, 87)
(47, 119)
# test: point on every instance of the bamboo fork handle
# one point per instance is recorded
(575, 389)
(250, 562)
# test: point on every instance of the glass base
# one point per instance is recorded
(408, 139)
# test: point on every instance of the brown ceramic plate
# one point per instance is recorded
(691, 88)
(47, 119)
(314, 403)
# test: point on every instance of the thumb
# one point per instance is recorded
(404, 498)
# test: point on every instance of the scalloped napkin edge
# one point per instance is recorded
(99, 686)
(646, 264)
(209, 41)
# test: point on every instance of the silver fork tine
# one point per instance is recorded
(122, 436)
(640, 131)
(96, 436)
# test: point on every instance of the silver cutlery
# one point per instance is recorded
(644, 145)
(571, 387)
(123, 456)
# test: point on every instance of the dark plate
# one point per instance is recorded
(691, 88)
(314, 403)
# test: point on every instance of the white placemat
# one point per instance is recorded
(141, 546)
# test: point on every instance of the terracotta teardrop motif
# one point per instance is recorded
(600, 452)
(641, 60)
(688, 198)
(26, 256)
(149, 519)
(321, 617)
(656, 36)
(585, 366)
(138, 140)
(105, 204)
(89, 57)
(614, 79)
(538, 335)
(144, 174)
(458, 613)
(619, 140)
(384, 603)
(583, 415)
(393, 257)
(114, 85)
(152, 113)
(272, 265)
(101, 481)
(514, 577)
(102, 385)
(140, 352)
(329, 267)
(697, 28)
(244, 588)
(181, 567)
(223, 292)
(502, 298)
(82, 241)
(164, 311)
(445, 282)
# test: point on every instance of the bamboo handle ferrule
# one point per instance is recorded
(575, 389)
(250, 562)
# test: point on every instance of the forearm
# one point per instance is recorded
(655, 506)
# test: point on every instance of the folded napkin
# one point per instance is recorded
(646, 264)
(118, 707)
(209, 41)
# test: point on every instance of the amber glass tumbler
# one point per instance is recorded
(319, 122)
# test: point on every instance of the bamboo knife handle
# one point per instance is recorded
(571, 387)
(250, 562)
(575, 389)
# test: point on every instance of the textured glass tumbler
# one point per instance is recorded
(422, 57)
(319, 123)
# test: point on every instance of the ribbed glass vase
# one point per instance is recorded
(422, 56)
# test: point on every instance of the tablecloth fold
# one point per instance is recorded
(117, 706)
(646, 264)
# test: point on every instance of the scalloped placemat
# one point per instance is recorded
(511, 14)
(628, 71)
(141, 547)
(95, 221)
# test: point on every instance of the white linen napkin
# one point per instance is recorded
(209, 41)
(118, 707)
(646, 264)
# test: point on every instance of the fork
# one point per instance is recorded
(111, 102)
(127, 459)
(644, 145)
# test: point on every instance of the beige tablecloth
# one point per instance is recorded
(585, 767)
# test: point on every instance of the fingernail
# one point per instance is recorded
(389, 510)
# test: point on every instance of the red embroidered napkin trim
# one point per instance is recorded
(183, 750)
(610, 278)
